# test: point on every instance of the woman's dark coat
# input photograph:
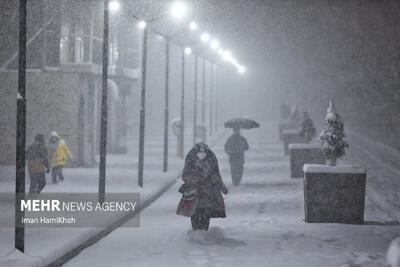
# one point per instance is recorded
(203, 175)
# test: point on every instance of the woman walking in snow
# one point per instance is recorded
(202, 187)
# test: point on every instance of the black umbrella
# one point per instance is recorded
(241, 123)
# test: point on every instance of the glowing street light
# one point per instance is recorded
(227, 55)
(178, 10)
(205, 37)
(193, 26)
(188, 50)
(220, 51)
(142, 24)
(241, 69)
(114, 6)
(214, 44)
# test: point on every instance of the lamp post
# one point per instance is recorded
(166, 107)
(216, 97)
(178, 10)
(19, 238)
(211, 99)
(142, 109)
(103, 120)
(195, 101)
(203, 94)
(182, 128)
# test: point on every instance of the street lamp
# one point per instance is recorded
(178, 10)
(227, 55)
(142, 24)
(19, 236)
(188, 50)
(241, 69)
(205, 37)
(104, 107)
(114, 6)
(214, 44)
(193, 26)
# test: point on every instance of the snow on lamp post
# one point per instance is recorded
(332, 136)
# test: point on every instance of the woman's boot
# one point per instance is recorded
(195, 222)
(204, 223)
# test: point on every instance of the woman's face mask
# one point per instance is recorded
(201, 155)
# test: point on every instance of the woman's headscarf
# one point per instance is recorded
(210, 160)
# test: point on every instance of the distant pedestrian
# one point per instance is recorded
(235, 147)
(38, 164)
(202, 187)
(59, 152)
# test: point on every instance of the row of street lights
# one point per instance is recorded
(178, 11)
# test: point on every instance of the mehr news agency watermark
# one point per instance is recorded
(70, 210)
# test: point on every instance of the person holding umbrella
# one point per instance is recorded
(236, 145)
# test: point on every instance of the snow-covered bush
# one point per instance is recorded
(332, 136)
(307, 129)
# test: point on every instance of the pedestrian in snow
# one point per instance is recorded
(59, 152)
(202, 187)
(38, 164)
(235, 147)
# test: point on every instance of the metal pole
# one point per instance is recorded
(44, 45)
(182, 141)
(142, 109)
(166, 110)
(211, 99)
(104, 109)
(216, 97)
(21, 132)
(195, 101)
(203, 95)
(223, 104)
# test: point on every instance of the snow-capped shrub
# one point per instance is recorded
(332, 136)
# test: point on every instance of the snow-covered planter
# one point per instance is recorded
(301, 154)
(334, 194)
(332, 136)
(286, 125)
(291, 137)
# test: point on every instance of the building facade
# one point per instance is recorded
(64, 74)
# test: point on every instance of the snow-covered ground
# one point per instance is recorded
(264, 225)
(47, 244)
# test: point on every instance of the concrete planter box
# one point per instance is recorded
(301, 154)
(286, 125)
(291, 137)
(334, 194)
